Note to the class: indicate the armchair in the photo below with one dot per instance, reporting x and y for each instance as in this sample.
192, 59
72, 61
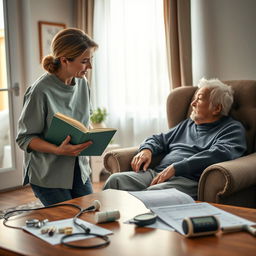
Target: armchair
231, 182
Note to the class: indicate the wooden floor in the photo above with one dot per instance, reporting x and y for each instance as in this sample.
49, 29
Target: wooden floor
25, 195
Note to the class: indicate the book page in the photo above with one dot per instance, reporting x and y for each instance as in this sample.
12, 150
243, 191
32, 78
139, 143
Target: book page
164, 197
101, 129
72, 121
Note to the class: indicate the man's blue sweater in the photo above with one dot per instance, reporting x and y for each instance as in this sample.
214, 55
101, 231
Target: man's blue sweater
190, 148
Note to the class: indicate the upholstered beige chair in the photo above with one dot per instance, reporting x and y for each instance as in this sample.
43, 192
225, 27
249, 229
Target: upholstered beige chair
232, 182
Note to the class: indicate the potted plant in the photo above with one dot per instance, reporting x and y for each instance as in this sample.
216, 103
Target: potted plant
98, 117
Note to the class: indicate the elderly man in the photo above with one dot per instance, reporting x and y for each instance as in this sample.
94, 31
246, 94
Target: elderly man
209, 136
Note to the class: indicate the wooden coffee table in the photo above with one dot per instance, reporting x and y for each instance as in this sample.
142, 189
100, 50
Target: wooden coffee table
127, 240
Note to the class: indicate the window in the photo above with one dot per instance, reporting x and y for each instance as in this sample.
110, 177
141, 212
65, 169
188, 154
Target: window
130, 72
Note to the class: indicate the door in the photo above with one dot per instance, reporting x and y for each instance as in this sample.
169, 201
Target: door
10, 94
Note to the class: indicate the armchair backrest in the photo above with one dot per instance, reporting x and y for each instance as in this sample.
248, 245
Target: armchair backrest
243, 108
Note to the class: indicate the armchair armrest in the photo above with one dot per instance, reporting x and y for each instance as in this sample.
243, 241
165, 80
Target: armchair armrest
227, 178
119, 160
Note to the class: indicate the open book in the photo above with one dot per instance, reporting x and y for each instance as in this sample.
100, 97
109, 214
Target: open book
172, 206
62, 126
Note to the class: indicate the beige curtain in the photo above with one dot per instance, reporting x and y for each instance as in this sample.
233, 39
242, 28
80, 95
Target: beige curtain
84, 20
84, 15
178, 41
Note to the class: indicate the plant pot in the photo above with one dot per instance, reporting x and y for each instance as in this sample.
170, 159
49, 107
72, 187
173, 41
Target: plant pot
98, 125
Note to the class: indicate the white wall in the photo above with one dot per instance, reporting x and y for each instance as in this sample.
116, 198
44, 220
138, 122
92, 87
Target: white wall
223, 39
59, 11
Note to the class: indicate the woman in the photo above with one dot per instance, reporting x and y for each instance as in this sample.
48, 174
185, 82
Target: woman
57, 173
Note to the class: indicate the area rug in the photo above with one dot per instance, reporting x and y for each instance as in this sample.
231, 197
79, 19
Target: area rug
30, 205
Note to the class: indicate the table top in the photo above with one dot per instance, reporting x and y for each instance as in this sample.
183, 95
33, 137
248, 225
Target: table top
127, 239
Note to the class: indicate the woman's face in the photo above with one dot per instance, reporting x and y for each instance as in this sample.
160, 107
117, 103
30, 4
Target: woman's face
79, 66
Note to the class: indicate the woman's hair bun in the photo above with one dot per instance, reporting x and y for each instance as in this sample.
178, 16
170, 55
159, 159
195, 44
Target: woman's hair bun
50, 64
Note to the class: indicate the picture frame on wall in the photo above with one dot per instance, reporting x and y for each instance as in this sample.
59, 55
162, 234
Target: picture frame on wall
47, 30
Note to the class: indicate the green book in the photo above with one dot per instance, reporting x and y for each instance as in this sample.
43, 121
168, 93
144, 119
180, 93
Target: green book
62, 126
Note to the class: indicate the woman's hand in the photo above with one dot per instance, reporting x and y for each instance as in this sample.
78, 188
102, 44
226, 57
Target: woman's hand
67, 149
164, 175
143, 157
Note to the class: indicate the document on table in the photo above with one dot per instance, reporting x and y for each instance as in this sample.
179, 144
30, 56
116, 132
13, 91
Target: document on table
156, 198
172, 206
160, 198
55, 239
174, 214
159, 224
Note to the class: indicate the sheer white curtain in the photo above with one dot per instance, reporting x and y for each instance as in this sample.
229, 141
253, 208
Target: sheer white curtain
130, 75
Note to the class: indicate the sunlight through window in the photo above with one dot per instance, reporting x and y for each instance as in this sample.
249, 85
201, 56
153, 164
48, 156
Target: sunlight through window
131, 77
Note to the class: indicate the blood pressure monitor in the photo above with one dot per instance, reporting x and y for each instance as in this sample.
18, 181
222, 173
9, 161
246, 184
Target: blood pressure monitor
200, 226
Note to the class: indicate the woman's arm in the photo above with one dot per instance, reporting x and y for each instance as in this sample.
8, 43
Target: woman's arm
65, 148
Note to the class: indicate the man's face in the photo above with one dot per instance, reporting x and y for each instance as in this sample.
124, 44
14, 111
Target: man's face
201, 111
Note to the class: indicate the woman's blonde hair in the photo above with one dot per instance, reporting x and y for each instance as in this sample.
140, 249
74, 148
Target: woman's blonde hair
69, 43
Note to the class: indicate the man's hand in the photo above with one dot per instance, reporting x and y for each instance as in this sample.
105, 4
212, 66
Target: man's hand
164, 175
67, 149
143, 157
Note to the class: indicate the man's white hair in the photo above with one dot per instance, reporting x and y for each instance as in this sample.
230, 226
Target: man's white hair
220, 94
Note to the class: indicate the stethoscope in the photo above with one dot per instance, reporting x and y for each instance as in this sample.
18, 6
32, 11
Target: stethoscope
86, 231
